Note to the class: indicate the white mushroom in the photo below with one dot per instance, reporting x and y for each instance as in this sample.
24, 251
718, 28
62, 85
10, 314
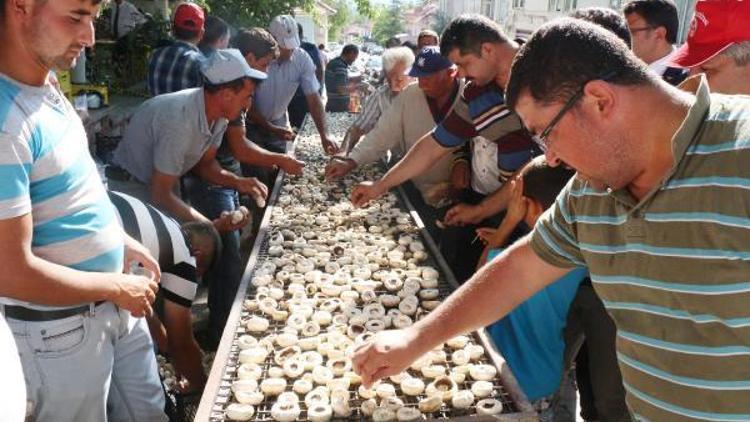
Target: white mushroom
239, 412
489, 407
285, 411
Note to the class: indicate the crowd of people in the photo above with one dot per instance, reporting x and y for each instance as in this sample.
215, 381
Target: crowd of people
585, 186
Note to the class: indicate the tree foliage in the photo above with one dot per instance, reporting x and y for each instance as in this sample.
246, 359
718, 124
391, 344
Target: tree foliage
388, 22
243, 13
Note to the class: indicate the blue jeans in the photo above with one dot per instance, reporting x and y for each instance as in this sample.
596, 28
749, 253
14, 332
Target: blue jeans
223, 278
96, 366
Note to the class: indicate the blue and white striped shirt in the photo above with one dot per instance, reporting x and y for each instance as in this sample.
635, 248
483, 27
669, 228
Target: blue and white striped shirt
46, 170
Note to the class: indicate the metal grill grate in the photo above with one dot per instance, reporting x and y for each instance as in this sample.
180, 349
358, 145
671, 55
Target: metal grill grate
223, 396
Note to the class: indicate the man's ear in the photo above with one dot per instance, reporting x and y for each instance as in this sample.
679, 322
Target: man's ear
600, 98
661, 32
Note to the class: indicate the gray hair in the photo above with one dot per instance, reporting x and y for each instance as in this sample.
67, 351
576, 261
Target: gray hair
739, 52
392, 56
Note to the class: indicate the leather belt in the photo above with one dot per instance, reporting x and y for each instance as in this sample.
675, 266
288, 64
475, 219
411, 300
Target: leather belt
21, 313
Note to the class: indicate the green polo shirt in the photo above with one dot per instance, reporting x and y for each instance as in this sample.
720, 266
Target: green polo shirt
673, 270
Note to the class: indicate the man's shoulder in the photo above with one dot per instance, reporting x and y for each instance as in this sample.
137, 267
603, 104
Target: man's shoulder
473, 91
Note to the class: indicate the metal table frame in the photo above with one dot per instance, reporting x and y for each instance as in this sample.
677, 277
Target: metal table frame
218, 370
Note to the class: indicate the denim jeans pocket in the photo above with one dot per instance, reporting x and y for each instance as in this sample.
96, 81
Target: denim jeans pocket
63, 338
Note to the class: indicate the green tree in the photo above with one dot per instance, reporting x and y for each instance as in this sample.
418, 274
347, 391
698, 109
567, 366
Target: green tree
243, 13
338, 21
440, 22
388, 22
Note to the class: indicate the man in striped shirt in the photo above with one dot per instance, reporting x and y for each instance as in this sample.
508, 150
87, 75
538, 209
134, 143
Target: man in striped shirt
657, 212
483, 55
64, 294
184, 253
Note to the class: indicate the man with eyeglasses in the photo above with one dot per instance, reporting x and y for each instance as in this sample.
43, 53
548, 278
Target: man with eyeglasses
657, 212
653, 27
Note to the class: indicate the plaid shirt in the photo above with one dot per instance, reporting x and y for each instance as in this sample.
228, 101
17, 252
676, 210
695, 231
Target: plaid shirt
174, 68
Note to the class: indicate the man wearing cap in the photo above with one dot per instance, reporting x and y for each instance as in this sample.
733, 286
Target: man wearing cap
483, 53
177, 66
293, 68
337, 79
173, 134
718, 45
413, 113
654, 26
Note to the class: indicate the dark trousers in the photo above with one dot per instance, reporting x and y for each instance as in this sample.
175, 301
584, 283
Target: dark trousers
266, 175
225, 274
297, 110
590, 334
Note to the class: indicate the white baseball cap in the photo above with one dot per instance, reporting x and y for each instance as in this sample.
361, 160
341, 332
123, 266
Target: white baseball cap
284, 29
228, 65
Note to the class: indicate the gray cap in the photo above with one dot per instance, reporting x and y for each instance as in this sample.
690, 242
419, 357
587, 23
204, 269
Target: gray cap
284, 29
228, 65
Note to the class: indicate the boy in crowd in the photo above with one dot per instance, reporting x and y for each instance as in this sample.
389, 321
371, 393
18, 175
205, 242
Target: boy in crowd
540, 338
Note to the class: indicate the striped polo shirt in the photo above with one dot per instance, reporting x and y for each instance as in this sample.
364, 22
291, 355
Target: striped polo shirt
162, 236
46, 170
673, 270
482, 112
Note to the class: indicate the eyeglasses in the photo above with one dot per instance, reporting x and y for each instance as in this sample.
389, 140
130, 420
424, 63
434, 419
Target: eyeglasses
636, 30
541, 139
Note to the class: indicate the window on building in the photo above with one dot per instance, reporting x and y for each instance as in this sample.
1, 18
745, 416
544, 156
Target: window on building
562, 5
519, 4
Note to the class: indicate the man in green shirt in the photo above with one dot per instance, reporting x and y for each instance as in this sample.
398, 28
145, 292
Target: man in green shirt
657, 212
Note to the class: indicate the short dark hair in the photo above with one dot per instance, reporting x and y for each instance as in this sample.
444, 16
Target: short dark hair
206, 230
350, 49
543, 183
657, 13
216, 29
562, 55
469, 32
606, 18
392, 42
235, 85
257, 41
185, 34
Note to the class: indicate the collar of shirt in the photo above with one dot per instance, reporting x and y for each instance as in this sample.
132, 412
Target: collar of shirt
439, 113
201, 111
659, 66
681, 140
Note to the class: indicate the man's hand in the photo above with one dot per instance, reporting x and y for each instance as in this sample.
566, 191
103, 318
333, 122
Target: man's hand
291, 165
232, 220
283, 133
329, 147
518, 203
136, 293
338, 168
461, 175
253, 187
365, 192
463, 214
387, 353
135, 251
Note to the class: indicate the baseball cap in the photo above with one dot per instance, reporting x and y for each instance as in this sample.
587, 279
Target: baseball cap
189, 16
284, 29
716, 25
428, 61
227, 65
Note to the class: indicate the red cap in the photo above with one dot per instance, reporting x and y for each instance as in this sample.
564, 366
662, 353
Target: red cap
716, 25
189, 16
